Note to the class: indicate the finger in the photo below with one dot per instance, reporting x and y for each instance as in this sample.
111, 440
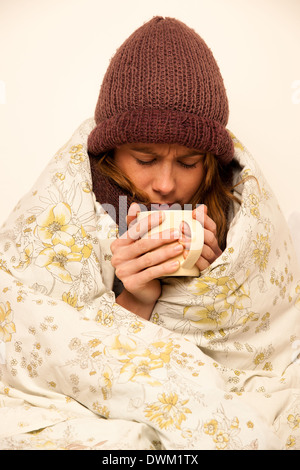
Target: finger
155, 272
202, 264
210, 225
200, 214
210, 240
149, 259
133, 212
209, 254
132, 251
143, 226
136, 230
185, 229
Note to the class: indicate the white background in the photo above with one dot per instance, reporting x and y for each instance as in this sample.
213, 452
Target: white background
54, 53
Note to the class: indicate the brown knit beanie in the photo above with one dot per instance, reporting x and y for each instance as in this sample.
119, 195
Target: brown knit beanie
163, 85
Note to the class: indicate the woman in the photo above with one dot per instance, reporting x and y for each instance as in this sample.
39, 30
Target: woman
216, 366
161, 138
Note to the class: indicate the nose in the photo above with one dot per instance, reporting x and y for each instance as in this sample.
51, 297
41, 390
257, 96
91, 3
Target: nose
164, 182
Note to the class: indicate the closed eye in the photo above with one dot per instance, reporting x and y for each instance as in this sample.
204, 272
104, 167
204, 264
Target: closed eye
145, 162
152, 162
185, 165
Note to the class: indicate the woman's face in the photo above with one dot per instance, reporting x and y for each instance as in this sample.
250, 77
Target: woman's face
168, 173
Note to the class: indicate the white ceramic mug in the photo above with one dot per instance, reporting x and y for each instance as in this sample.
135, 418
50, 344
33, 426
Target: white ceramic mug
173, 219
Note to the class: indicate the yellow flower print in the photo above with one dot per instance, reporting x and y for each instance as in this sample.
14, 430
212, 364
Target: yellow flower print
221, 439
168, 412
54, 227
235, 423
268, 366
255, 211
120, 347
106, 382
141, 369
25, 258
61, 262
3, 266
81, 243
136, 326
211, 427
106, 319
291, 442
222, 289
294, 421
209, 334
254, 199
77, 156
155, 318
30, 219
7, 326
93, 343
235, 296
261, 252
221, 297
71, 300
259, 359
60, 176
160, 350
101, 409
210, 316
86, 187
76, 148
254, 202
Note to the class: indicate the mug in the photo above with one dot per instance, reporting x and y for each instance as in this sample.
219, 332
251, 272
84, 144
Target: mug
173, 219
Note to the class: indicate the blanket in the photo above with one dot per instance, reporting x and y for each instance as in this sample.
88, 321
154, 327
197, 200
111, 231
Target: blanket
216, 368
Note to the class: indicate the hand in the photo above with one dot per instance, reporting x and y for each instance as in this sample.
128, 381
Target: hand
211, 250
140, 262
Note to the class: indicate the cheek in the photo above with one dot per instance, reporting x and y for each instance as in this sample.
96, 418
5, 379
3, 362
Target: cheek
190, 182
131, 170
141, 178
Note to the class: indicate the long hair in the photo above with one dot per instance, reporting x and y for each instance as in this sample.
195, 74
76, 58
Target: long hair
216, 190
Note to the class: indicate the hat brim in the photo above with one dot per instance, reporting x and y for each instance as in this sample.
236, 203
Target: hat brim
162, 126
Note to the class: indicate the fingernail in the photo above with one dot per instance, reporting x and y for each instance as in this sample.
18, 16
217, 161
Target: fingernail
178, 247
174, 264
134, 209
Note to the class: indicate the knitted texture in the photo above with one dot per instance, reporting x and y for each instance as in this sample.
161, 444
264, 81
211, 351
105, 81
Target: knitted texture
163, 85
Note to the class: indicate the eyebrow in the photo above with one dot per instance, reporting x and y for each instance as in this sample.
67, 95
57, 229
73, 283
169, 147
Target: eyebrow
148, 150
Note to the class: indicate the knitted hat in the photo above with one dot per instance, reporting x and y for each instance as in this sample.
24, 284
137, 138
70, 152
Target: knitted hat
163, 85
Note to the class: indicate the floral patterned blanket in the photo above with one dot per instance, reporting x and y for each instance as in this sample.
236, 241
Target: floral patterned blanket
217, 367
